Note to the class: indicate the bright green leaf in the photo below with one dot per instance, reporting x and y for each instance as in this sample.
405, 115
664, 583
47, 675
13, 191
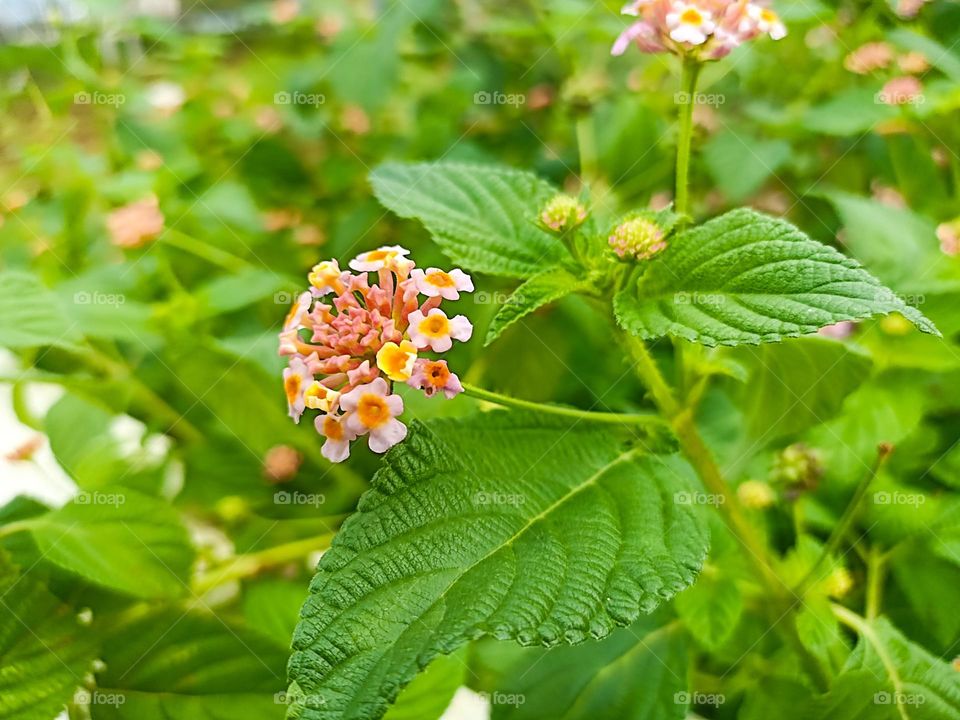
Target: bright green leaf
558, 535
745, 278
483, 217
536, 292
30, 315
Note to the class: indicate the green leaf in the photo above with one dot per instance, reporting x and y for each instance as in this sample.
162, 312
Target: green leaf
79, 434
887, 677
741, 165
120, 539
541, 289
430, 693
794, 386
227, 293
748, 278
192, 666
482, 217
556, 535
272, 607
30, 315
638, 673
711, 609
44, 651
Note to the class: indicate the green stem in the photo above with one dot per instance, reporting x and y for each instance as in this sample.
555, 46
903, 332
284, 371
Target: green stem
249, 564
876, 571
213, 255
846, 520
688, 85
700, 457
587, 144
589, 415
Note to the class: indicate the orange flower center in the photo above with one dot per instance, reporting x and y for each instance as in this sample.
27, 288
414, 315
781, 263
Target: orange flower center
437, 374
440, 279
292, 387
332, 428
376, 255
691, 16
435, 326
372, 410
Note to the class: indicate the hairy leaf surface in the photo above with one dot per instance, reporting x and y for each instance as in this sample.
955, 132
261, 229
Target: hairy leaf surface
482, 217
536, 292
745, 278
505, 524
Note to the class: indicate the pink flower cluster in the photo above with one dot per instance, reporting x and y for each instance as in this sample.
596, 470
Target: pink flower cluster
346, 354
708, 28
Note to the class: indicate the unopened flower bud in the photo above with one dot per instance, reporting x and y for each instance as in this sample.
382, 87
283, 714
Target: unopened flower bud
563, 213
799, 468
638, 238
838, 583
756, 495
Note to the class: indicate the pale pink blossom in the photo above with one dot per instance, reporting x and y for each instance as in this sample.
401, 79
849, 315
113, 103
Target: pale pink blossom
436, 331
295, 380
338, 437
434, 282
433, 376
383, 258
371, 410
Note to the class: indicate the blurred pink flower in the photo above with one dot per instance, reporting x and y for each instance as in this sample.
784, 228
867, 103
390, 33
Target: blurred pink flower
869, 57
903, 90
707, 29
136, 224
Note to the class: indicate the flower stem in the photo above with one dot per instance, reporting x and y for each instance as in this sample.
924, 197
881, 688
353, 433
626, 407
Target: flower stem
249, 564
688, 85
588, 415
876, 570
843, 525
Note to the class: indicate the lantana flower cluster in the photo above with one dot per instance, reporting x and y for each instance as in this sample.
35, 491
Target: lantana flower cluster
348, 343
709, 28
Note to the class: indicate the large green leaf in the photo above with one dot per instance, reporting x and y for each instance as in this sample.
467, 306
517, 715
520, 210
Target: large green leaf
638, 673
44, 651
31, 315
794, 386
482, 217
430, 693
190, 666
511, 525
119, 539
711, 609
887, 677
541, 289
745, 278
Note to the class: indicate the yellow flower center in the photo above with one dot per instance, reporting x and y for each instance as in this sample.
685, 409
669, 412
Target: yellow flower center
377, 255
315, 396
332, 429
292, 387
435, 326
768, 15
691, 16
440, 279
395, 360
372, 410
